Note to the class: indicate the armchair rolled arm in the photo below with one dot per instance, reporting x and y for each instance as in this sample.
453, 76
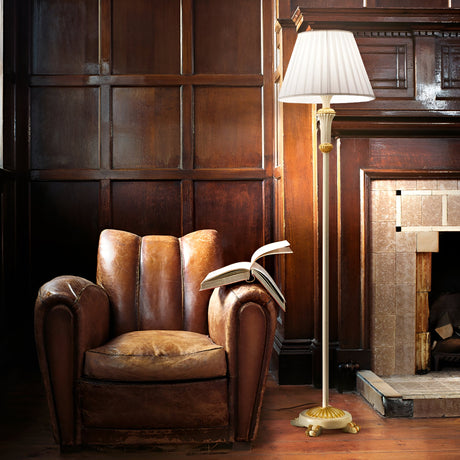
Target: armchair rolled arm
242, 319
71, 316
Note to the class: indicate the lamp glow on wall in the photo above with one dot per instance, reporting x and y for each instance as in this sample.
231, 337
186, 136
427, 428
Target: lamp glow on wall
325, 67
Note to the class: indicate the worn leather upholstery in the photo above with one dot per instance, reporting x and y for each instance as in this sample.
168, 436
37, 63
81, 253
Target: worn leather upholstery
142, 356
155, 356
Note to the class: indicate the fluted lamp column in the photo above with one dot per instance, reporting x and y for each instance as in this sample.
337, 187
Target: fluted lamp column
325, 67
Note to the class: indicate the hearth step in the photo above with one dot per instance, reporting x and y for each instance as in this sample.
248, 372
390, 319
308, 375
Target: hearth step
436, 394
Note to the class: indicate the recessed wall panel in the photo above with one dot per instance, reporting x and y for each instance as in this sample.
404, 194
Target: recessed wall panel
146, 127
147, 207
235, 209
146, 36
65, 37
227, 36
64, 229
389, 62
64, 128
228, 127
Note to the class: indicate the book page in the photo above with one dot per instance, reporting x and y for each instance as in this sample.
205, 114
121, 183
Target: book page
278, 247
268, 282
239, 271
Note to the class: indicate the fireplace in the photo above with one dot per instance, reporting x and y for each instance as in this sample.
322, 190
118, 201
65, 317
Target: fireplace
405, 220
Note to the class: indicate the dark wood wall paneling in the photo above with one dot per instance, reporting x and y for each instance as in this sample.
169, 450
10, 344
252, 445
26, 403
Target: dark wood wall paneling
12, 279
411, 129
151, 117
296, 220
406, 4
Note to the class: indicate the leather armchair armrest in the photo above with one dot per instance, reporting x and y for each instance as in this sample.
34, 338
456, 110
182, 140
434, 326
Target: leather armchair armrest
242, 318
71, 316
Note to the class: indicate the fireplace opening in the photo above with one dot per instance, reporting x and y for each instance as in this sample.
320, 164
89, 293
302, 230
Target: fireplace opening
444, 301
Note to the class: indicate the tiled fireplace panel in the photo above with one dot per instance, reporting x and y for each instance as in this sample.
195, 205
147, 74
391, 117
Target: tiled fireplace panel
405, 218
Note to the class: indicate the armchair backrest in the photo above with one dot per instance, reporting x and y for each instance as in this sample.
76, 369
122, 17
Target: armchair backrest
153, 281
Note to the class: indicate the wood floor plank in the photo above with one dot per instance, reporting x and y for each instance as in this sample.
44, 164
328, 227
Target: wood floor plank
25, 432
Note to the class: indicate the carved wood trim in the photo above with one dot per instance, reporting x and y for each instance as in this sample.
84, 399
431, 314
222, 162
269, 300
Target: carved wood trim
410, 55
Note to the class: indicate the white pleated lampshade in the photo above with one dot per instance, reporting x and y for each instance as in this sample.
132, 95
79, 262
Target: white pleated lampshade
326, 63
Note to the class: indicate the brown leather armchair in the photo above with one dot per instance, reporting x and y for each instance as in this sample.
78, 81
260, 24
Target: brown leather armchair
144, 357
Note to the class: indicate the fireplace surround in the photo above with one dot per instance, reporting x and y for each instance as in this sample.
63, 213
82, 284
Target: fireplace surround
405, 218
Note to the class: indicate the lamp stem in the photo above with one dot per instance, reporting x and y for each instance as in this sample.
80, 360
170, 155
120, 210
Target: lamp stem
325, 282
325, 416
325, 116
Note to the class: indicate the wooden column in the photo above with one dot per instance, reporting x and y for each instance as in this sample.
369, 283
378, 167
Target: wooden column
422, 311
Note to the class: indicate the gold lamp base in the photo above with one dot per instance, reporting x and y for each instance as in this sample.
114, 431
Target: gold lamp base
328, 417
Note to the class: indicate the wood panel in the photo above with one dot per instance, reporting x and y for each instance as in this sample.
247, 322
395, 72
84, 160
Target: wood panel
228, 127
64, 223
234, 208
146, 127
227, 37
296, 220
64, 128
8, 267
389, 62
147, 207
146, 36
352, 321
448, 68
407, 4
68, 45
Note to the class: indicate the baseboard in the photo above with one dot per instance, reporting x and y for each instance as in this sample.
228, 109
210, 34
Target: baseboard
299, 362
292, 361
338, 357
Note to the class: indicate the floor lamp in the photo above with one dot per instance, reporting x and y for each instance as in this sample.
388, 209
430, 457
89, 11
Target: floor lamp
325, 67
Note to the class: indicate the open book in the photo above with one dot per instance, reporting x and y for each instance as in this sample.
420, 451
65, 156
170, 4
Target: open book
248, 271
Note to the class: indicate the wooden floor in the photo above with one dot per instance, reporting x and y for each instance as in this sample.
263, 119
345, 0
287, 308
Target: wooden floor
25, 432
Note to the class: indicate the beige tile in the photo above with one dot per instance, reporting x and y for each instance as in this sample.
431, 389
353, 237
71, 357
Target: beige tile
383, 184
431, 210
447, 184
383, 332
427, 184
427, 242
383, 206
405, 359
406, 184
453, 210
405, 241
405, 331
383, 299
383, 361
383, 237
411, 210
405, 298
405, 268
383, 268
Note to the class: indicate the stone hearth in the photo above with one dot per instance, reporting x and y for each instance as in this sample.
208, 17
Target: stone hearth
436, 394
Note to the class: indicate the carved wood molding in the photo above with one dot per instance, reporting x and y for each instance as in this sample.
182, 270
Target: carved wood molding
411, 57
382, 19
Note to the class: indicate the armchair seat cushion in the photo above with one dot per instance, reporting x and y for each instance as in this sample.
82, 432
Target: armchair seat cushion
160, 355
